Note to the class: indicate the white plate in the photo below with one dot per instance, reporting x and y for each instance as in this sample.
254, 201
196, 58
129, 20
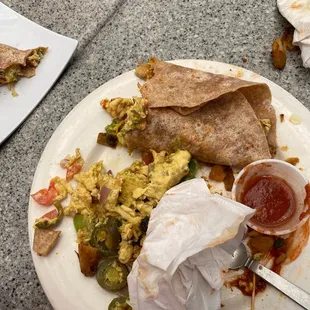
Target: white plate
21, 33
59, 273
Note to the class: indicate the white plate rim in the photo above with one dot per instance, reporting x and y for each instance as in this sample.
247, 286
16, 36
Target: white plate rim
31, 101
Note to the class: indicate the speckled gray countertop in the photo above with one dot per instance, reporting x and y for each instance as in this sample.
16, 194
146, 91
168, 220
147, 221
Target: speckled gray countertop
113, 35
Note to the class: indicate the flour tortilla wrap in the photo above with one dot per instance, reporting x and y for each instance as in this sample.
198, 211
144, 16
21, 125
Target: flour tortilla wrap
226, 131
186, 90
17, 61
215, 117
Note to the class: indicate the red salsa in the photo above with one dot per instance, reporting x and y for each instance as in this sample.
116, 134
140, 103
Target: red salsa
272, 198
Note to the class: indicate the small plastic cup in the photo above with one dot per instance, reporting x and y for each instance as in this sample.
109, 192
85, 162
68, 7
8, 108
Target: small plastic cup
292, 176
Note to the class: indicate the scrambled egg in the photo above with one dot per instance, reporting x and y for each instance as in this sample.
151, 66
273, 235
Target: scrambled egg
85, 198
166, 171
91, 178
129, 196
114, 185
127, 231
80, 202
125, 252
63, 188
135, 111
266, 124
134, 178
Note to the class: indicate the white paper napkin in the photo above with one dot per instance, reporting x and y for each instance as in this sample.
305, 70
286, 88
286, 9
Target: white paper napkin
190, 239
298, 14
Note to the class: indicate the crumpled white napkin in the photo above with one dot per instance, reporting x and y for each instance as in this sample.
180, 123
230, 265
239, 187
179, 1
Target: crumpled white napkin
297, 12
190, 239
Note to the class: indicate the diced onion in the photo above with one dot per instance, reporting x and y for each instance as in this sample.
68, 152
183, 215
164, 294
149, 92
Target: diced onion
104, 193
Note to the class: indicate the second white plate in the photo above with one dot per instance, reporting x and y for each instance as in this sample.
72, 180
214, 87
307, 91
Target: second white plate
21, 33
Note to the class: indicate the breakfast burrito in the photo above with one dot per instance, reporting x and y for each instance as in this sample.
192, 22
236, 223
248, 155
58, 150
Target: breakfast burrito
15, 63
217, 118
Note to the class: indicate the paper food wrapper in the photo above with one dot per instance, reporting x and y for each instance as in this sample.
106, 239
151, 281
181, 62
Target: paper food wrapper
298, 14
190, 240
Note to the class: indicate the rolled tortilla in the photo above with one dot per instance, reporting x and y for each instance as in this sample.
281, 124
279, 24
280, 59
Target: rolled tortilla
226, 131
186, 90
217, 118
15, 63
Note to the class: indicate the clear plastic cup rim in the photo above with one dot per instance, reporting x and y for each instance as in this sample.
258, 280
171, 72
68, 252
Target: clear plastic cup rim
289, 173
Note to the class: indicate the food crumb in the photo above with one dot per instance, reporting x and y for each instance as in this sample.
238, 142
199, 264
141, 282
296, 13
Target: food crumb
281, 118
239, 74
244, 59
278, 54
292, 160
205, 178
295, 5
295, 119
170, 223
217, 173
284, 148
229, 179
287, 39
301, 168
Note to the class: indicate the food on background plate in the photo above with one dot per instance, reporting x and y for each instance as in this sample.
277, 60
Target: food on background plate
15, 63
218, 119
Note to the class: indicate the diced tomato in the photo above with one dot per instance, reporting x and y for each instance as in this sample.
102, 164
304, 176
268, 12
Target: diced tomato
45, 197
147, 157
73, 169
50, 215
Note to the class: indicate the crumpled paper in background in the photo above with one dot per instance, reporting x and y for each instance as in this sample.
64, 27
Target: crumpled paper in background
190, 239
297, 12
